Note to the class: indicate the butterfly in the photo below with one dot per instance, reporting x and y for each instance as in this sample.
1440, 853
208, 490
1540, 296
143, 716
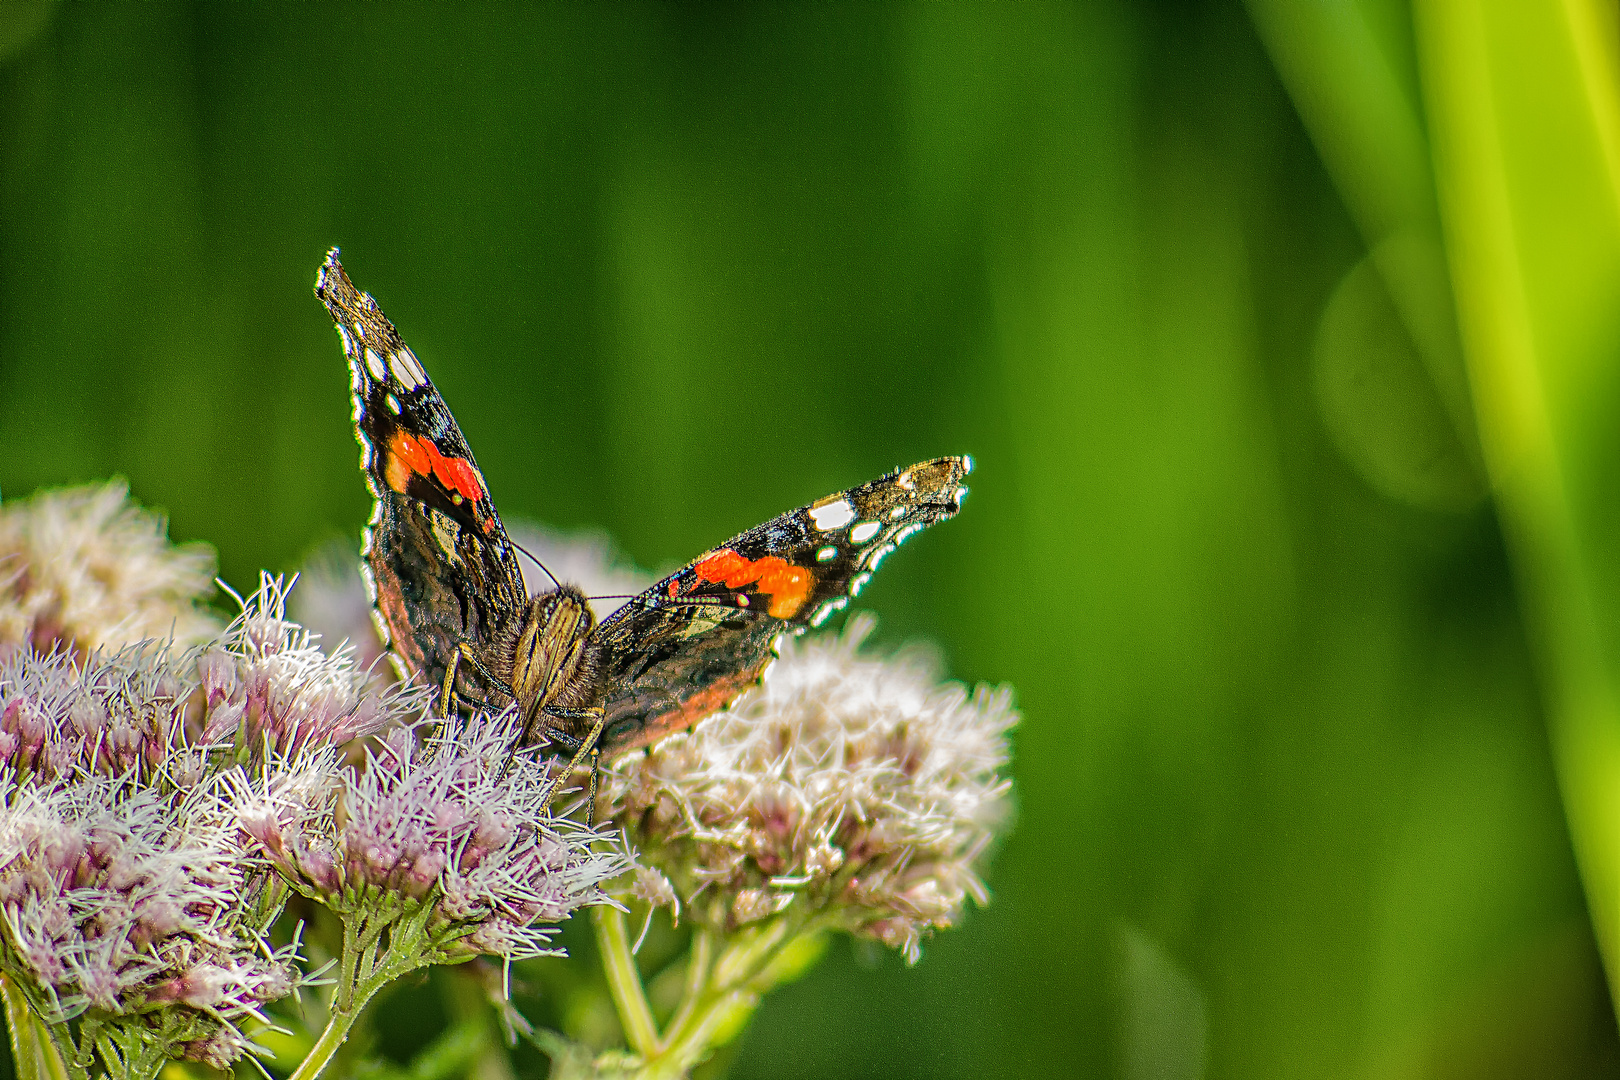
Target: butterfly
452, 606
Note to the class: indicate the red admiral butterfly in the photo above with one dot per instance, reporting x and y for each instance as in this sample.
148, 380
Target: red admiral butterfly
451, 602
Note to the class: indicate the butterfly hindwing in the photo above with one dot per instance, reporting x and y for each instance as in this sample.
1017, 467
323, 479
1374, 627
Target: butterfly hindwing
697, 639
439, 562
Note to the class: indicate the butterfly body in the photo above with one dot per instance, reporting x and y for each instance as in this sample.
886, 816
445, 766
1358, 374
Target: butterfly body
450, 601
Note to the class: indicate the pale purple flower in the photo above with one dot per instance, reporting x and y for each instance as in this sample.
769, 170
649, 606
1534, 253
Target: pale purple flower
120, 898
453, 820
268, 684
113, 714
128, 888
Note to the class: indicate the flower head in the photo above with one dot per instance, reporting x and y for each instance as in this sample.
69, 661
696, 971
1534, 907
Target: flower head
453, 821
128, 887
85, 568
268, 684
118, 897
856, 788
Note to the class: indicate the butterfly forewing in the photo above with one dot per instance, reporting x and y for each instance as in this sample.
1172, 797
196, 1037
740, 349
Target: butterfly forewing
697, 639
441, 568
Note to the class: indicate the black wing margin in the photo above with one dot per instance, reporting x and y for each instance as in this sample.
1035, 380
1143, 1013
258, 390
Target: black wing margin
700, 637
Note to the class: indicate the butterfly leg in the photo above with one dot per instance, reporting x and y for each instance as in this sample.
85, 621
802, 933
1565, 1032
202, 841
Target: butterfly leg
586, 748
447, 691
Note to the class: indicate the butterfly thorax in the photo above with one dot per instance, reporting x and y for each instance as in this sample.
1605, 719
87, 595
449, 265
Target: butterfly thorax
552, 667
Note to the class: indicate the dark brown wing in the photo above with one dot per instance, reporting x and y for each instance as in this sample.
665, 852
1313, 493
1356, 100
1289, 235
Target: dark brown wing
438, 561
700, 637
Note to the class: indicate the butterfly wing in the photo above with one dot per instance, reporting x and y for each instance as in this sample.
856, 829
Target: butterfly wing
439, 565
703, 635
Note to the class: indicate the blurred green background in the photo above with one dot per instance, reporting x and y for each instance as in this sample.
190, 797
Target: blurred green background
1285, 337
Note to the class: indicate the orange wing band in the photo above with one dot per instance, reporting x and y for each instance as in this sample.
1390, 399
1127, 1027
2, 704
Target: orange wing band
787, 585
416, 455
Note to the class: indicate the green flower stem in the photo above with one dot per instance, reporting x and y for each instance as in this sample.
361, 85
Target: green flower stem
362, 975
33, 1051
332, 1037
690, 1043
625, 982
699, 958
726, 977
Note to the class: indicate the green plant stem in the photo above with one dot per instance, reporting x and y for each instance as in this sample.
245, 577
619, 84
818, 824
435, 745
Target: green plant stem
698, 961
362, 976
33, 1052
725, 981
688, 1044
332, 1037
625, 982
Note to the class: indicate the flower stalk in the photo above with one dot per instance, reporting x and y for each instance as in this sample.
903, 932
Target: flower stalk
726, 978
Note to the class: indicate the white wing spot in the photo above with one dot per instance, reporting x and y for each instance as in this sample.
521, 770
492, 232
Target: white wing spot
898, 512
827, 554
835, 515
905, 532
904, 480
393, 404
863, 532
858, 583
408, 358
374, 362
402, 372
360, 331
348, 342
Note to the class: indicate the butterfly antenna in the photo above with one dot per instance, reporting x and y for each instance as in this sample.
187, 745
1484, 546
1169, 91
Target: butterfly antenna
659, 600
534, 559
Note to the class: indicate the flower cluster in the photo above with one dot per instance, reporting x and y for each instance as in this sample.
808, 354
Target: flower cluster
85, 568
115, 714
453, 821
849, 788
156, 804
118, 899
124, 886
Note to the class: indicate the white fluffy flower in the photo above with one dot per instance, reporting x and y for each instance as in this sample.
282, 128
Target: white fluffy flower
858, 788
86, 568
